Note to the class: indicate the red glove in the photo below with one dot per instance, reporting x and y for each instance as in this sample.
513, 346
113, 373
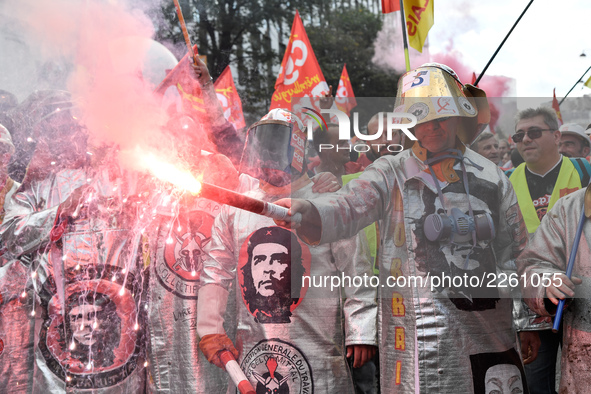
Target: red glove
212, 344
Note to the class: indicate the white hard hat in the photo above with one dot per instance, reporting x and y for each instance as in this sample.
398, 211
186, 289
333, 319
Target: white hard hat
575, 129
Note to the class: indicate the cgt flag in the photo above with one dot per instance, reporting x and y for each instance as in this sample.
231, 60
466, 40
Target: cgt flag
390, 6
556, 107
300, 74
225, 90
180, 77
419, 19
345, 98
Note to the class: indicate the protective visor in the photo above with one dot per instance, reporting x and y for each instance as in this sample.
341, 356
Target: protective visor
272, 148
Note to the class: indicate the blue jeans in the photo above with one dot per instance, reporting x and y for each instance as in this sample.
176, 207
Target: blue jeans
541, 373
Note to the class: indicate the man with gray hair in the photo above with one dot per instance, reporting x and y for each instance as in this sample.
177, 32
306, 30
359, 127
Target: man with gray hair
487, 145
539, 182
574, 142
504, 148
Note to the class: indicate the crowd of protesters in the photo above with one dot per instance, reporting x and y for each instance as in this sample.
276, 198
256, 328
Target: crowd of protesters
111, 281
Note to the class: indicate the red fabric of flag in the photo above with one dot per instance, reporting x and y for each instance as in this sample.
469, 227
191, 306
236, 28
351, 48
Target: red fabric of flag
556, 107
300, 74
345, 98
390, 6
225, 90
181, 77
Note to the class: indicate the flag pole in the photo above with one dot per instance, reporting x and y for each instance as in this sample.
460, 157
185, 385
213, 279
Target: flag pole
571, 89
184, 29
404, 38
502, 43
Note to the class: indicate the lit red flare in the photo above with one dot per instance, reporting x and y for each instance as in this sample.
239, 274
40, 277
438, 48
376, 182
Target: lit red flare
169, 173
187, 181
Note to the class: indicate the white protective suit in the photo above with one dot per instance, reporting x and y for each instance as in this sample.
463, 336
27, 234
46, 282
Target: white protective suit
288, 342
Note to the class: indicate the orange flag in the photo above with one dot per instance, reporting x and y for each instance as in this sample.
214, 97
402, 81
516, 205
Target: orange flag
390, 6
557, 109
300, 74
188, 88
225, 89
345, 98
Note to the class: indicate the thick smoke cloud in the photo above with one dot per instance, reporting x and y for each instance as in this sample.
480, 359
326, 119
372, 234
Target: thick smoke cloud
97, 50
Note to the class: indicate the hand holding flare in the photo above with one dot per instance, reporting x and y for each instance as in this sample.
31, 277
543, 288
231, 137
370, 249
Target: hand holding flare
186, 181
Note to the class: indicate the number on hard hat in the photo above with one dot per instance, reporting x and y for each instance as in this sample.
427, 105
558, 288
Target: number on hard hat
434, 91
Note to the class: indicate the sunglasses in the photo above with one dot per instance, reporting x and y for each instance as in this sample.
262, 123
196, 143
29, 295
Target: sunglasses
533, 133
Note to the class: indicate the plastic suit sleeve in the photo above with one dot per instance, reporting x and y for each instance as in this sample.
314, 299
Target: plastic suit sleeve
211, 305
358, 204
219, 270
27, 228
219, 267
548, 251
360, 308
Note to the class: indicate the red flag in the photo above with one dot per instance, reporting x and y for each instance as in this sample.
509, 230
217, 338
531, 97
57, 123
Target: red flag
345, 98
473, 78
390, 6
225, 89
188, 88
300, 74
556, 107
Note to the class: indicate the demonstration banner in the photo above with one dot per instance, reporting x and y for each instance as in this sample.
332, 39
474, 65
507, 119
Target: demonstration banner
300, 74
181, 77
228, 97
345, 98
419, 19
556, 107
390, 6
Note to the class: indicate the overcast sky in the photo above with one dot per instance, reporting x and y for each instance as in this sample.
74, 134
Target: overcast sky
542, 53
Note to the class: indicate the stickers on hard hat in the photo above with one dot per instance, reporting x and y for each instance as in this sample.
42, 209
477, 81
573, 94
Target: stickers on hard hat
416, 79
444, 106
467, 106
298, 142
399, 109
420, 110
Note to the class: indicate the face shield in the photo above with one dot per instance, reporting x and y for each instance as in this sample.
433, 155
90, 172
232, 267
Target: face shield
274, 152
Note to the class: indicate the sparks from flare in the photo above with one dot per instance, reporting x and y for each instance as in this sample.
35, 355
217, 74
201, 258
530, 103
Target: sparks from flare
168, 172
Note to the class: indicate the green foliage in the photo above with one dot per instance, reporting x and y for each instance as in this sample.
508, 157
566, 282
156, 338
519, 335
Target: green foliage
251, 35
346, 37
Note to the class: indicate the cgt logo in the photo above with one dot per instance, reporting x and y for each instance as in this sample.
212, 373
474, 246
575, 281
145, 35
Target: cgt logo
292, 72
392, 123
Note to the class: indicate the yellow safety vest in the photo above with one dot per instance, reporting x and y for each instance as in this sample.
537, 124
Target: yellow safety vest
568, 181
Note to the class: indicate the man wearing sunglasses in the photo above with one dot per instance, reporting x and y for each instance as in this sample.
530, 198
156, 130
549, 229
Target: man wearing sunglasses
539, 182
545, 176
